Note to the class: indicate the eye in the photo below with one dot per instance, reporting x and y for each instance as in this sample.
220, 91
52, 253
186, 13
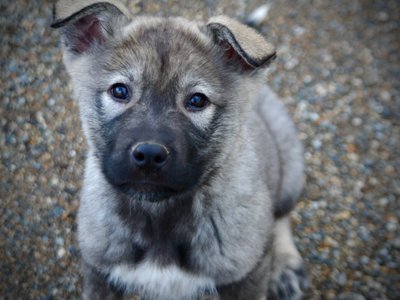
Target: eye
197, 102
119, 92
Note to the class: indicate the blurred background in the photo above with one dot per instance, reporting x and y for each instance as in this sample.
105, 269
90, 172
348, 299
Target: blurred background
338, 72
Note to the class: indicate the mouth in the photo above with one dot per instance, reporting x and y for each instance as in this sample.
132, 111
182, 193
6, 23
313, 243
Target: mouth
149, 191
148, 186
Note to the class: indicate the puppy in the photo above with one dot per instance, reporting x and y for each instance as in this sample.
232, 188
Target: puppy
193, 163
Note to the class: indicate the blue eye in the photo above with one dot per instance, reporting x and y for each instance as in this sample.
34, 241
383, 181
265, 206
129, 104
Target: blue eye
119, 92
197, 102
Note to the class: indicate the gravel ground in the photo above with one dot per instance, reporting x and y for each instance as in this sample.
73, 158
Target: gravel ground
338, 70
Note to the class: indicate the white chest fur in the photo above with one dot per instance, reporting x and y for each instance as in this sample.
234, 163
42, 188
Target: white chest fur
169, 282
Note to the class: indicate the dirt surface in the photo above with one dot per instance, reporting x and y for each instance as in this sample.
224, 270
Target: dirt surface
338, 71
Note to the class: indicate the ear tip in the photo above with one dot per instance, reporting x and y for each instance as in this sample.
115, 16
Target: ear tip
270, 58
67, 10
251, 46
261, 62
56, 24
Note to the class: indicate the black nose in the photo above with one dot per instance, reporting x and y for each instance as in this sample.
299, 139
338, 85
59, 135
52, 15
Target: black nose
150, 155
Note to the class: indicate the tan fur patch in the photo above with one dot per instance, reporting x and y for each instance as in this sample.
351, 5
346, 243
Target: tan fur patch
66, 8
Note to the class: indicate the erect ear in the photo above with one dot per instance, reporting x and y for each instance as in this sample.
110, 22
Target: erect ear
86, 23
241, 44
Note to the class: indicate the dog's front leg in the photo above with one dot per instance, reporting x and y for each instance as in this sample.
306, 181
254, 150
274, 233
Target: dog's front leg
96, 287
288, 279
253, 286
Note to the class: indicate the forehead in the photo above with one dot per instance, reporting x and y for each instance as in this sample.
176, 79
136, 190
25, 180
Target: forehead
162, 49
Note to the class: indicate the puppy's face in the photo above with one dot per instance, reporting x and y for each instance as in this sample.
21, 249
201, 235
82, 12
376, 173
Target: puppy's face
160, 98
166, 107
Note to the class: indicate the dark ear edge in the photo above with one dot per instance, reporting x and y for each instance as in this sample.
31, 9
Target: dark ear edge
91, 9
222, 33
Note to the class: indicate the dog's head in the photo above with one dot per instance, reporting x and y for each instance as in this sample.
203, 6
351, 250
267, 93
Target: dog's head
161, 99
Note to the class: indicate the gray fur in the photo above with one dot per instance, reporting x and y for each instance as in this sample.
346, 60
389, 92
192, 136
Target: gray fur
222, 232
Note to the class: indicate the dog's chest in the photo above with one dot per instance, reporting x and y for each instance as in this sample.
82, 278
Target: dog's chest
156, 282
161, 258
165, 239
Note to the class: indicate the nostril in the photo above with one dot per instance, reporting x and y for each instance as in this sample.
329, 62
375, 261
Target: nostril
139, 156
159, 159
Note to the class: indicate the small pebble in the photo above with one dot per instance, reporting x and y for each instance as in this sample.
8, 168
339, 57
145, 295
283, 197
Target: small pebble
364, 260
61, 253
